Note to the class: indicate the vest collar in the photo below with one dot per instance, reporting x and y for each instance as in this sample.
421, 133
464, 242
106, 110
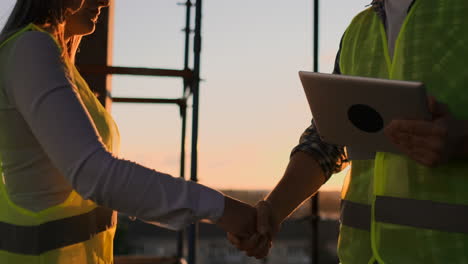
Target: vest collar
379, 7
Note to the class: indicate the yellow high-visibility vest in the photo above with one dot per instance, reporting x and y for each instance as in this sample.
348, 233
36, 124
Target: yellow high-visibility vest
76, 231
394, 209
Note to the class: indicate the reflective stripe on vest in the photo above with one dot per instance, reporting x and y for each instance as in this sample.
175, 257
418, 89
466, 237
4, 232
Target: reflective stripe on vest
356, 215
422, 214
35, 240
407, 212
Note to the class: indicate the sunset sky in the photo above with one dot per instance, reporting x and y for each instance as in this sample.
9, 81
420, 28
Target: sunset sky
252, 106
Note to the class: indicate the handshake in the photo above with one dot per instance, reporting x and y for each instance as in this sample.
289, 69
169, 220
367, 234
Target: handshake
250, 229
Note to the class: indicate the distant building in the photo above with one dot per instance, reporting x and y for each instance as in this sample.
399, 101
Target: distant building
292, 244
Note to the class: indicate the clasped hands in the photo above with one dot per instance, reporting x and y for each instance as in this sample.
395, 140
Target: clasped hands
250, 229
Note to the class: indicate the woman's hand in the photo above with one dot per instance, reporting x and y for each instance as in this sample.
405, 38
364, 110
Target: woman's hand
433, 142
238, 217
259, 244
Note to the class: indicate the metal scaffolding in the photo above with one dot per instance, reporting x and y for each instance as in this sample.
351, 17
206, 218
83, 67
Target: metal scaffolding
315, 214
191, 90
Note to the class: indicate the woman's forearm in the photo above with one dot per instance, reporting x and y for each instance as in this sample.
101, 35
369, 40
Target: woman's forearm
68, 136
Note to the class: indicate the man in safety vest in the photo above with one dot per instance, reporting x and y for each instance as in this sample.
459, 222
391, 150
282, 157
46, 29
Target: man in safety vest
409, 208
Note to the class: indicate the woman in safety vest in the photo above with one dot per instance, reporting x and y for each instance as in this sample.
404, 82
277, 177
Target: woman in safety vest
408, 208
61, 177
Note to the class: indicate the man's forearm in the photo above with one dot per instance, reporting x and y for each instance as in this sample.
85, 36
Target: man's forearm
303, 177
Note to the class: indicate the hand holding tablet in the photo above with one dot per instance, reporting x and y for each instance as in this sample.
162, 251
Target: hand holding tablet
353, 111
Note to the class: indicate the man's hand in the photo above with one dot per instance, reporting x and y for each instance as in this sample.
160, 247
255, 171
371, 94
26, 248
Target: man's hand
433, 142
238, 218
303, 175
260, 243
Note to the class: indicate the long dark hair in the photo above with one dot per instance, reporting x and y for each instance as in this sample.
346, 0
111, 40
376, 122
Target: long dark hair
39, 12
47, 14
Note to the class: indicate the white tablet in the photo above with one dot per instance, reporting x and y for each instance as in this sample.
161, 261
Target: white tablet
353, 111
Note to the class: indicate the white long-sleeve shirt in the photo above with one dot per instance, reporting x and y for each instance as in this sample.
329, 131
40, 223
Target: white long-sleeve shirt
49, 146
